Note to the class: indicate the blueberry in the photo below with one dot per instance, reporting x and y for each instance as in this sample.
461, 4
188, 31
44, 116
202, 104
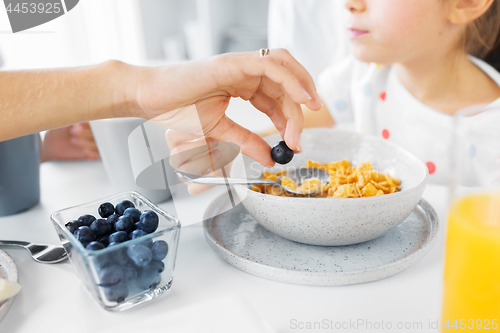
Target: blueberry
95, 246
157, 266
281, 153
147, 279
122, 206
102, 260
134, 213
148, 221
86, 220
106, 209
110, 276
140, 233
117, 293
116, 257
104, 240
84, 234
100, 227
124, 223
129, 274
140, 254
136, 234
118, 237
72, 226
85, 244
113, 244
113, 218
160, 250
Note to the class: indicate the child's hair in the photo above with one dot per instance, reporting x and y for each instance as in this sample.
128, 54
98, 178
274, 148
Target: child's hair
482, 36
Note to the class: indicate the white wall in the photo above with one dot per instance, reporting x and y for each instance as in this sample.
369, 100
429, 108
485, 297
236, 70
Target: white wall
97, 30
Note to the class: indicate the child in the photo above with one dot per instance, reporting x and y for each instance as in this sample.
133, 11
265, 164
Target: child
414, 66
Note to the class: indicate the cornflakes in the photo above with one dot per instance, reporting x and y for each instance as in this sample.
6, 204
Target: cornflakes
346, 181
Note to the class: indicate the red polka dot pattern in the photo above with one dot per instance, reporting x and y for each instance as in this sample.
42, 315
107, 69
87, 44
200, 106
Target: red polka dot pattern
432, 167
382, 95
385, 134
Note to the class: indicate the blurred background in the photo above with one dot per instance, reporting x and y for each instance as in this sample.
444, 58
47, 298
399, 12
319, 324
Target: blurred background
143, 32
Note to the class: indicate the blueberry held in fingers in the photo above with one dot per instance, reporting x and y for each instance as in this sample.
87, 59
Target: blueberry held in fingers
281, 153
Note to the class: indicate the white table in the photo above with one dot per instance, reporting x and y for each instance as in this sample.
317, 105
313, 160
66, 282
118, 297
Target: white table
54, 300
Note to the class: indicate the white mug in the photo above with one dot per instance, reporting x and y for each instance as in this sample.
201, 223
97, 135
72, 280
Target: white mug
119, 150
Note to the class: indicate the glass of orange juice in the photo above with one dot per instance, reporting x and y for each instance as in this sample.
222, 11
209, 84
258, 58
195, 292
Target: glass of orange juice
471, 299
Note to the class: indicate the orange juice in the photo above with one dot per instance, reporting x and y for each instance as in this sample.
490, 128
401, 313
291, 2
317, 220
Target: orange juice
472, 264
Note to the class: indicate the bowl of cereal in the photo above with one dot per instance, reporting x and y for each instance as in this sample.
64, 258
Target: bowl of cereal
374, 185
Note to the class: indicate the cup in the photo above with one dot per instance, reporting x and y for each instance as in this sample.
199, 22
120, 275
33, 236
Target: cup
471, 298
119, 150
102, 272
19, 174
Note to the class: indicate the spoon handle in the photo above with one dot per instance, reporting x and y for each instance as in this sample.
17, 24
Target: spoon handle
210, 180
14, 243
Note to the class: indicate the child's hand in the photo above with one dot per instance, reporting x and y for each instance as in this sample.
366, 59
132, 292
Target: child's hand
71, 143
199, 155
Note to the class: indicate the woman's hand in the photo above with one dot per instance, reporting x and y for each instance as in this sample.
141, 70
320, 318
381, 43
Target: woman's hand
200, 155
193, 97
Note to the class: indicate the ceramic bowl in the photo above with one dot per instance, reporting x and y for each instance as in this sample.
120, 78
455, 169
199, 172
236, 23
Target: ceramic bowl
336, 221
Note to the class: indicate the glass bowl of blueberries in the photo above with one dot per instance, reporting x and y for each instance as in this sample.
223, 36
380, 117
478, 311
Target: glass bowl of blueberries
123, 248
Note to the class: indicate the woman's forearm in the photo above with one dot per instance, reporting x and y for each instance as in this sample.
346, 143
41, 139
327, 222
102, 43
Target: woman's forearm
32, 101
198, 92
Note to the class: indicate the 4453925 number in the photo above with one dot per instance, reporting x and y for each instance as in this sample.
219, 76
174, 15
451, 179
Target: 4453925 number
27, 7
462, 324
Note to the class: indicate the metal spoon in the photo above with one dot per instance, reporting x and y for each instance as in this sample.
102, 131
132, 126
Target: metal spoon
297, 175
45, 254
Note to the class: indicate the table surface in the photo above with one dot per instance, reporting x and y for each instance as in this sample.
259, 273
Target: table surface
54, 300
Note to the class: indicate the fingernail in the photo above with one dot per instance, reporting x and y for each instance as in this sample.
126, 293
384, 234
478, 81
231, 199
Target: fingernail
213, 144
306, 93
299, 145
208, 171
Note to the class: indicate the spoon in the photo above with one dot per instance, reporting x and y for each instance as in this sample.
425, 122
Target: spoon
45, 254
297, 175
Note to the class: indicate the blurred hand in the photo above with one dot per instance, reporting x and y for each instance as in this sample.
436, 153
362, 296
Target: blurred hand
71, 143
193, 97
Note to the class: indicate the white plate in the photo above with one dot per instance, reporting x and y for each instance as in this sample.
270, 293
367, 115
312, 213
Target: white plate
8, 271
242, 242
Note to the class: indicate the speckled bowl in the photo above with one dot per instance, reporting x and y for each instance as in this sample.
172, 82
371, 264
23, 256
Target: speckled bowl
336, 221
